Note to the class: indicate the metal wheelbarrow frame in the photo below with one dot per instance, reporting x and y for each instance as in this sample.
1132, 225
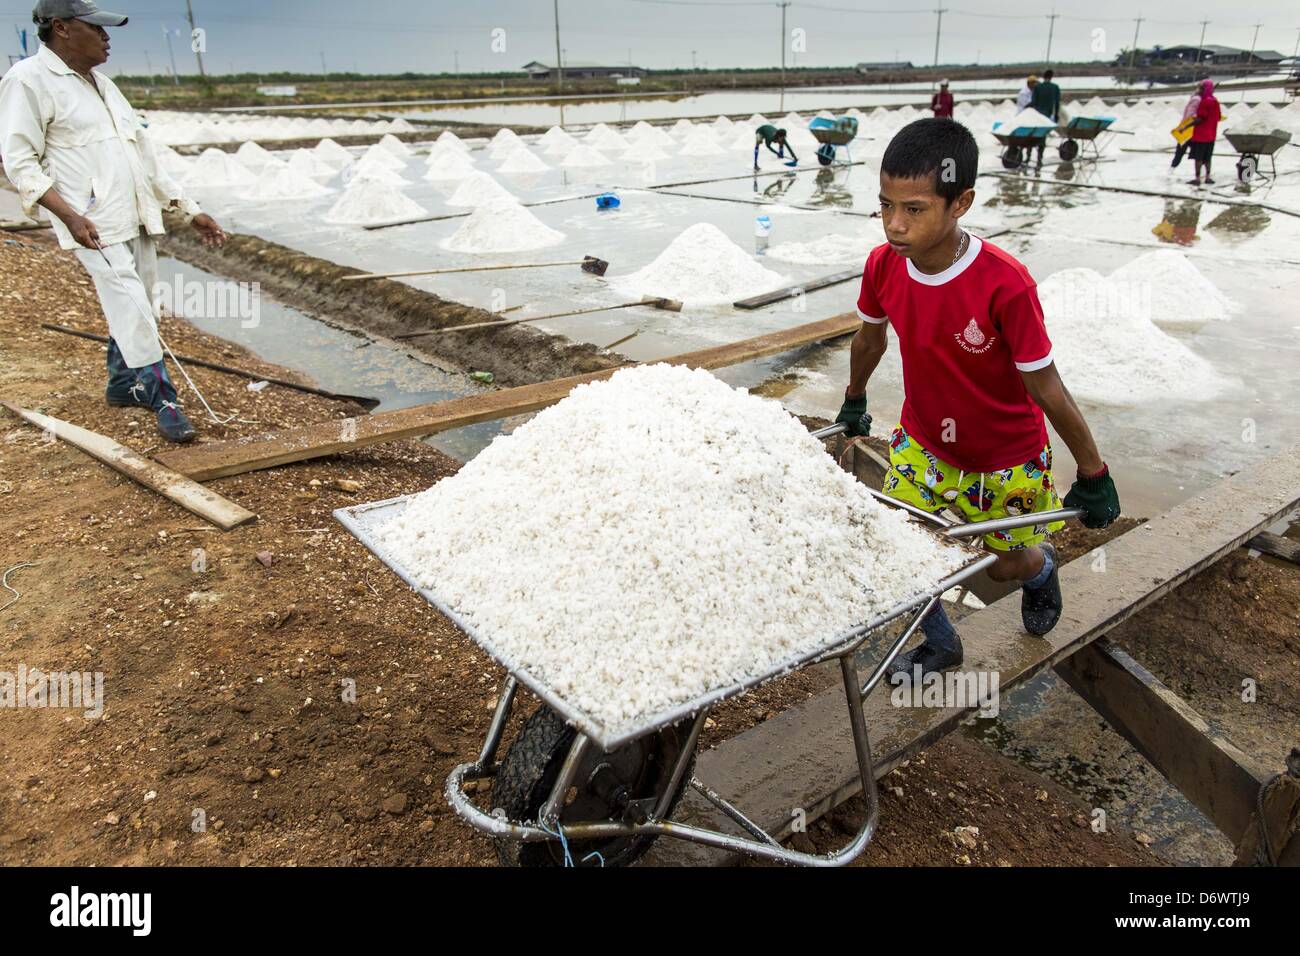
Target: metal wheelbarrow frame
835, 133
1251, 146
1020, 138
362, 521
1088, 130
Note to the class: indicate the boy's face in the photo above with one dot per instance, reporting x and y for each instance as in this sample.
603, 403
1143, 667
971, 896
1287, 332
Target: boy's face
916, 218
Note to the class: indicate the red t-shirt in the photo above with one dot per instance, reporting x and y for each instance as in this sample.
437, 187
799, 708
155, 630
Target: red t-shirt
941, 103
1208, 113
965, 334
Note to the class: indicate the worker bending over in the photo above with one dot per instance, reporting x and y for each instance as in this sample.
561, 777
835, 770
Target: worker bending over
768, 134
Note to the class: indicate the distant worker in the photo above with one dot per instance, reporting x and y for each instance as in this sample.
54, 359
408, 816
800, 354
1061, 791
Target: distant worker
1204, 132
1047, 97
1026, 94
941, 102
768, 134
1187, 123
71, 143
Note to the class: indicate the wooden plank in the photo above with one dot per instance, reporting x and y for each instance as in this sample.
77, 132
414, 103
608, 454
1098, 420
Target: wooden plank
812, 285
804, 757
205, 503
219, 459
1213, 773
1274, 544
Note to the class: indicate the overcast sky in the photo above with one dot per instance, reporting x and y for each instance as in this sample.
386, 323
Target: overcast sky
389, 36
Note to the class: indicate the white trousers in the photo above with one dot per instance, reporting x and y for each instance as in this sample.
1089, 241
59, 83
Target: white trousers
125, 297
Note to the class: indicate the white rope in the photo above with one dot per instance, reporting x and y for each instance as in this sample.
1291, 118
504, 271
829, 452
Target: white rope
148, 314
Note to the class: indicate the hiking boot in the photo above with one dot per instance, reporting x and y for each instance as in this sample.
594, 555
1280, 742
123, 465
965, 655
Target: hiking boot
1040, 607
930, 658
173, 425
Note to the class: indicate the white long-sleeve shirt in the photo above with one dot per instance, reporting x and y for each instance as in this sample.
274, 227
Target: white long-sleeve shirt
57, 130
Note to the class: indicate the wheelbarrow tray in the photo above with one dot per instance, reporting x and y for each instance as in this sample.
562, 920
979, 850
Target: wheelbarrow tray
1085, 127
363, 521
1023, 135
1259, 144
838, 132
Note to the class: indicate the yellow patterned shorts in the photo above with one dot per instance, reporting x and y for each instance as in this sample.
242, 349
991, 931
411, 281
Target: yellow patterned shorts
919, 478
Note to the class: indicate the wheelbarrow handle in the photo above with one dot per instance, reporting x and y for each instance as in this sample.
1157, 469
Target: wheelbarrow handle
973, 528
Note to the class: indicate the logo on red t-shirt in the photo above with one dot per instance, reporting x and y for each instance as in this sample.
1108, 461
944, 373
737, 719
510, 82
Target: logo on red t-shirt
975, 341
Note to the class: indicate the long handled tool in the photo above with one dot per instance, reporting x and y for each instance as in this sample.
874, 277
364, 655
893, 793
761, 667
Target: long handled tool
589, 264
668, 305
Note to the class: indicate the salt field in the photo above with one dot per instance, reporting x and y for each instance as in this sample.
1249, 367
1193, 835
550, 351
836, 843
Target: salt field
1216, 351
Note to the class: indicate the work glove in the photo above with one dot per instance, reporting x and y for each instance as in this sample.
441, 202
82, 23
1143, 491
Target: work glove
853, 413
1097, 497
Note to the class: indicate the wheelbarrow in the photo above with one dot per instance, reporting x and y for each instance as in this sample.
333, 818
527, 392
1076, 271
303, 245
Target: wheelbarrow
1252, 146
571, 792
1018, 142
1087, 130
833, 134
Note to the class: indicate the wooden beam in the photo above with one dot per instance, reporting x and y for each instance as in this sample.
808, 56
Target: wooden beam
1274, 544
804, 758
812, 285
1218, 778
219, 459
205, 503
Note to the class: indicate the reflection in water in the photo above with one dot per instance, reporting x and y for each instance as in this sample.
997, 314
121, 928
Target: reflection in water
777, 187
1064, 171
1178, 226
832, 188
1240, 222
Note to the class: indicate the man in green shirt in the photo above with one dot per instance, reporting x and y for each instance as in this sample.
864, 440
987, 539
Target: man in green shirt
1047, 100
767, 135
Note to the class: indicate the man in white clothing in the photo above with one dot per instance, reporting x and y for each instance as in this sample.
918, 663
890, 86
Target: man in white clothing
1026, 94
70, 142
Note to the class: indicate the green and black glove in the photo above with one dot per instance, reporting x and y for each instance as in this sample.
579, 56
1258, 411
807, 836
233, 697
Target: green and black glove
1097, 496
853, 413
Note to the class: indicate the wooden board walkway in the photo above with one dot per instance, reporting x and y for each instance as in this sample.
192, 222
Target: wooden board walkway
204, 502
804, 756
219, 459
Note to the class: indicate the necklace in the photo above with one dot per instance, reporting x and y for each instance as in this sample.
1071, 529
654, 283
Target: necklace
961, 247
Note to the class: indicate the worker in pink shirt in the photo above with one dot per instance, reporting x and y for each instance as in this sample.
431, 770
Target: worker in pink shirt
941, 102
1204, 132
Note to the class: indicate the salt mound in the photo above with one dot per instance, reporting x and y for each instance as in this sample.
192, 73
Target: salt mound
374, 169
1110, 352
648, 153
700, 142
602, 137
682, 127
333, 153
400, 125
451, 139
501, 225
1026, 117
1173, 290
556, 142
277, 181
379, 156
731, 550
835, 248
477, 189
448, 163
308, 163
253, 155
394, 146
583, 155
701, 267
521, 161
215, 167
367, 202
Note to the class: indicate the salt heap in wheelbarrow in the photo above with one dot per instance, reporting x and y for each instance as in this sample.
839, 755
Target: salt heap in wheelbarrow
658, 536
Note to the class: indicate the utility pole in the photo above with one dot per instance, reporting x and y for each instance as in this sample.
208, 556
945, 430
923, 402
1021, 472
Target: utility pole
1250, 58
1137, 25
323, 70
938, 27
1200, 47
1051, 29
149, 63
559, 58
172, 54
189, 10
456, 59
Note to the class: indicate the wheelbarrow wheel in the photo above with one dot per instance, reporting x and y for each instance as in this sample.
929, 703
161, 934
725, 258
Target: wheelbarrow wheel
605, 785
1068, 150
1011, 157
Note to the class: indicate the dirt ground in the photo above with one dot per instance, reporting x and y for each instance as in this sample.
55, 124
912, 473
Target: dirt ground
225, 740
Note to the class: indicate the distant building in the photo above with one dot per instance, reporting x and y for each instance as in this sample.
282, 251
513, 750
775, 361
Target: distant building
579, 70
1210, 53
884, 66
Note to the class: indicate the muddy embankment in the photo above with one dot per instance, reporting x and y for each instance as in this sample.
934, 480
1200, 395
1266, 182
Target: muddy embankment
516, 355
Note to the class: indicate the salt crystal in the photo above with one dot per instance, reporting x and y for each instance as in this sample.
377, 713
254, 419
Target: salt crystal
701, 267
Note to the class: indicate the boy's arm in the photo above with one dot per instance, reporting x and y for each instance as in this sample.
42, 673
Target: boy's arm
865, 353
1093, 490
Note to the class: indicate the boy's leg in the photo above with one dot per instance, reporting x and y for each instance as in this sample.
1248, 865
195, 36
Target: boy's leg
920, 479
